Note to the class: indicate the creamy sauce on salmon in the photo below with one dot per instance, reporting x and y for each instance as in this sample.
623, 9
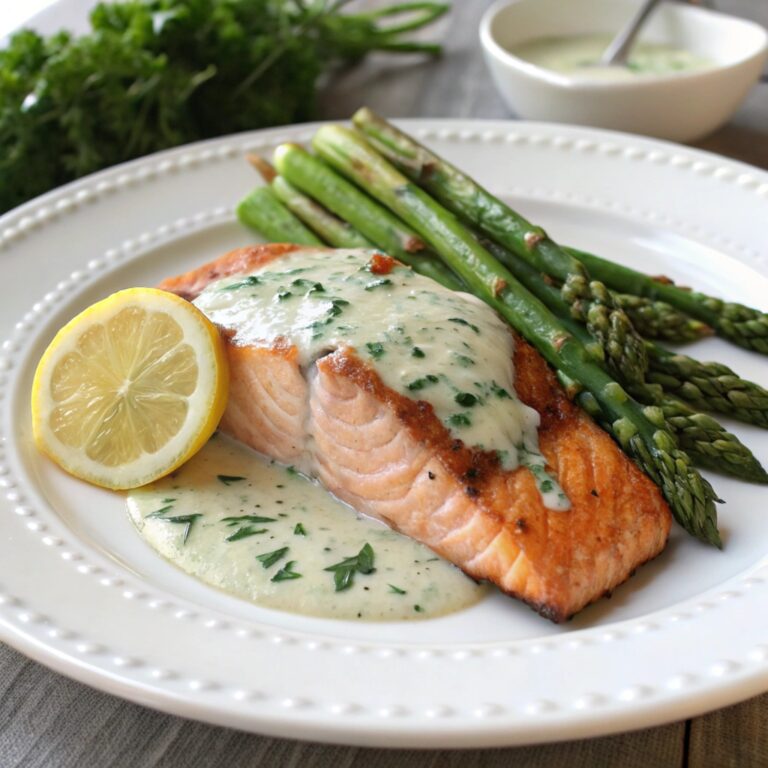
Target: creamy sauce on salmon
423, 340
263, 532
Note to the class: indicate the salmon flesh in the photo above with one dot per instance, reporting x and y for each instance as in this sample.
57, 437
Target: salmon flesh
389, 456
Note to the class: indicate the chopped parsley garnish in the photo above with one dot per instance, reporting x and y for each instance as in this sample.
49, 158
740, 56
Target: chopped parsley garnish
299, 530
500, 392
396, 590
336, 304
286, 573
416, 352
377, 284
245, 532
160, 512
464, 361
375, 349
466, 399
425, 381
248, 281
301, 282
283, 294
240, 519
186, 520
268, 559
462, 321
229, 479
460, 420
418, 609
344, 572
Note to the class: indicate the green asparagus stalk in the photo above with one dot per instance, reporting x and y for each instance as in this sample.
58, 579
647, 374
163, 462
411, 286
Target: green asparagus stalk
741, 325
262, 211
331, 229
590, 301
708, 386
659, 320
373, 221
708, 443
640, 432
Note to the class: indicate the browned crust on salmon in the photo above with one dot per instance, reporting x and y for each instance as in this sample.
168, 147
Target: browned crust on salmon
237, 262
556, 562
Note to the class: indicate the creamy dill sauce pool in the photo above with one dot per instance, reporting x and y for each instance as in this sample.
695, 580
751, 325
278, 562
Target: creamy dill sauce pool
579, 56
262, 532
424, 341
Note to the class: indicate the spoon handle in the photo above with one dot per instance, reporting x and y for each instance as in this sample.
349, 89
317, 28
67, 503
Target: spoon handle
618, 50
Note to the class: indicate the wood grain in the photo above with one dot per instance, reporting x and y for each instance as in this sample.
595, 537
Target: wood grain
48, 721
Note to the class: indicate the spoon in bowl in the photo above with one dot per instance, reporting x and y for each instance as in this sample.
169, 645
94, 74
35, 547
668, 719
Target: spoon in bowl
615, 55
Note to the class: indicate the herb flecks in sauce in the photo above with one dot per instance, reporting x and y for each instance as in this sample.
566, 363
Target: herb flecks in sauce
333, 530
415, 333
229, 479
186, 520
286, 573
375, 349
245, 532
231, 521
268, 559
344, 572
248, 281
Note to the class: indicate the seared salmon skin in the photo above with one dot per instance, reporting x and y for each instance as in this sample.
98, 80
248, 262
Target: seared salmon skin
388, 454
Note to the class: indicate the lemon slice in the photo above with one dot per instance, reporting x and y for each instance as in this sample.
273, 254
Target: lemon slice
130, 389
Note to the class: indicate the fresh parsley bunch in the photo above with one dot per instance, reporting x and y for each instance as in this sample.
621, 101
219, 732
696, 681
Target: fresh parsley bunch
152, 74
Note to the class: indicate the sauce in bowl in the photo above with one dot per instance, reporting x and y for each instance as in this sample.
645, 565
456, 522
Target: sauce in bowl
578, 57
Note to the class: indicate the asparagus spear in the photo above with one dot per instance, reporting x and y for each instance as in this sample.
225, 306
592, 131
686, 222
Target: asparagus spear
590, 301
659, 320
742, 325
262, 211
703, 438
373, 221
321, 221
706, 441
708, 386
640, 432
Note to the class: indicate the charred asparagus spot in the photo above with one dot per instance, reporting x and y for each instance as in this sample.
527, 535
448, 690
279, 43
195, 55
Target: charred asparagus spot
589, 300
640, 431
741, 325
265, 169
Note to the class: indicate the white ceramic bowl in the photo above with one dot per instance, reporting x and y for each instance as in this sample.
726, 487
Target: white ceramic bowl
681, 107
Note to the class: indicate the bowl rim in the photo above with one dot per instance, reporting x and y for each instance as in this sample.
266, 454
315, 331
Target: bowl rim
493, 48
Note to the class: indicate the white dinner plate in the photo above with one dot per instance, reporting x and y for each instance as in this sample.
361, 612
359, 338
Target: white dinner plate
82, 593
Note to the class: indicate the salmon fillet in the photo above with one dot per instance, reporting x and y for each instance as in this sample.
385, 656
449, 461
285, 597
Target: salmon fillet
390, 457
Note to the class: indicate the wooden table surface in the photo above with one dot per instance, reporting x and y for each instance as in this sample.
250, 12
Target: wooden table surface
49, 720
